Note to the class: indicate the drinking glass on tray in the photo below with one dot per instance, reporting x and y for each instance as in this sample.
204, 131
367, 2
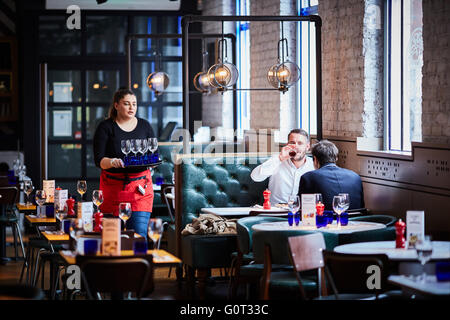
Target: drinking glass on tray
424, 249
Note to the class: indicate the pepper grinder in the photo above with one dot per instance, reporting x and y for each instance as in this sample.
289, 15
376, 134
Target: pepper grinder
400, 241
266, 195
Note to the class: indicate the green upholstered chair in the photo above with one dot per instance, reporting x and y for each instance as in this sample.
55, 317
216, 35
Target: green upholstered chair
243, 268
379, 218
271, 248
208, 180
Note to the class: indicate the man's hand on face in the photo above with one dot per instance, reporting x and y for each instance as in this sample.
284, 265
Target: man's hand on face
284, 154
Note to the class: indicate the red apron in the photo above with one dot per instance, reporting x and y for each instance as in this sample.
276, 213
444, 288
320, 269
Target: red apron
124, 187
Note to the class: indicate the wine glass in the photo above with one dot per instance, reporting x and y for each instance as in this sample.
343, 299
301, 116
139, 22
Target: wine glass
294, 206
81, 187
424, 249
143, 150
125, 146
124, 212
338, 206
134, 147
28, 188
152, 144
155, 229
75, 230
40, 197
60, 215
97, 198
346, 201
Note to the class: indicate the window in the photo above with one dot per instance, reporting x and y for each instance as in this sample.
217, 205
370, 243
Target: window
243, 65
306, 54
84, 70
403, 73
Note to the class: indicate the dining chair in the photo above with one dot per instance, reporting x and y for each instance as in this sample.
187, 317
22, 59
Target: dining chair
8, 199
348, 275
118, 274
14, 291
305, 253
243, 268
378, 218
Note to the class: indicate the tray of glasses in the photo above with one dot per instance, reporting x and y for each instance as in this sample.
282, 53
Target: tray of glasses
144, 166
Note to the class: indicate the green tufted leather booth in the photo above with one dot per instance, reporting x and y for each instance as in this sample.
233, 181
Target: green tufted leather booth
211, 180
168, 152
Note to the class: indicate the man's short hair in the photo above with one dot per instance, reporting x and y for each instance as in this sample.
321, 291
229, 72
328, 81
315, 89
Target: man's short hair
325, 152
299, 131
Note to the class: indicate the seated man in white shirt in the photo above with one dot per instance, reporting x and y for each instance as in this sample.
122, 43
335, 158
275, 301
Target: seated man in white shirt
284, 170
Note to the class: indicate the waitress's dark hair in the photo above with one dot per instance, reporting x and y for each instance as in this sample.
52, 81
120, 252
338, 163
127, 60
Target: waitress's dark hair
118, 95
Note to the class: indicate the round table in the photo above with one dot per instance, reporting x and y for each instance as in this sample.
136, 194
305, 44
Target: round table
353, 226
441, 250
276, 235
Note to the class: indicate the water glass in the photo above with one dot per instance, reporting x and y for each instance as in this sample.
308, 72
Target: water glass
290, 218
140, 247
424, 249
90, 247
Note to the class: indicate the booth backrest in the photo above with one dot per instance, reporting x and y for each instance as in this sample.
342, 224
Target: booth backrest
215, 180
168, 151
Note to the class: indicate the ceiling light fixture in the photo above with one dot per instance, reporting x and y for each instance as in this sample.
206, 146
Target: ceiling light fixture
201, 81
158, 81
284, 73
222, 74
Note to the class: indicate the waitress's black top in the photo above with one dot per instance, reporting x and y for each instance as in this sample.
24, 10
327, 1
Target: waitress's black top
107, 139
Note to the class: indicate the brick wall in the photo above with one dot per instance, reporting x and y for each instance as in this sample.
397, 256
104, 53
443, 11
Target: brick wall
342, 67
436, 71
217, 109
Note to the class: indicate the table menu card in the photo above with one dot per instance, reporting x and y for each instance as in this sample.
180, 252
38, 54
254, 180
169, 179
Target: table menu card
415, 227
85, 211
60, 199
111, 237
49, 187
309, 209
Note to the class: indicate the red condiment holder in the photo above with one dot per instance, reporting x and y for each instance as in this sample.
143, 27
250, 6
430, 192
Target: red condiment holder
266, 195
70, 207
400, 241
320, 208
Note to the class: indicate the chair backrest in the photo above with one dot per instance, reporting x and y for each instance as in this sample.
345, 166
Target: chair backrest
350, 273
117, 274
379, 218
244, 231
8, 195
306, 251
168, 195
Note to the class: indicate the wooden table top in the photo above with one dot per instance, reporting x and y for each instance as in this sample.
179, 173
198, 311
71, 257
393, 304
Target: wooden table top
24, 207
56, 237
162, 257
35, 220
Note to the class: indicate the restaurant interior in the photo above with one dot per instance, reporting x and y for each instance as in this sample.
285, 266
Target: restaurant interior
261, 119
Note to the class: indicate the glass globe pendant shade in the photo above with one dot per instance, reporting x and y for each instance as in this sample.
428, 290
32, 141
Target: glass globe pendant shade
283, 75
223, 75
201, 82
158, 82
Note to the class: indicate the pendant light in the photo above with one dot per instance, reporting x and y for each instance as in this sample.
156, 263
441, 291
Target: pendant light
222, 74
158, 81
201, 82
284, 73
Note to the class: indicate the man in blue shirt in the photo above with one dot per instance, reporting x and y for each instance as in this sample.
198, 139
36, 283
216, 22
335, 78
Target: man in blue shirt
329, 179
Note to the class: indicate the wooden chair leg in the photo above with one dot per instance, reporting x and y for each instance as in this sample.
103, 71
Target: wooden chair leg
202, 275
265, 279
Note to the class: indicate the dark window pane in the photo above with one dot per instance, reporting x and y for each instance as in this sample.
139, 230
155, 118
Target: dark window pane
157, 25
64, 123
101, 85
150, 114
55, 39
92, 170
94, 115
174, 114
64, 160
106, 35
64, 86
